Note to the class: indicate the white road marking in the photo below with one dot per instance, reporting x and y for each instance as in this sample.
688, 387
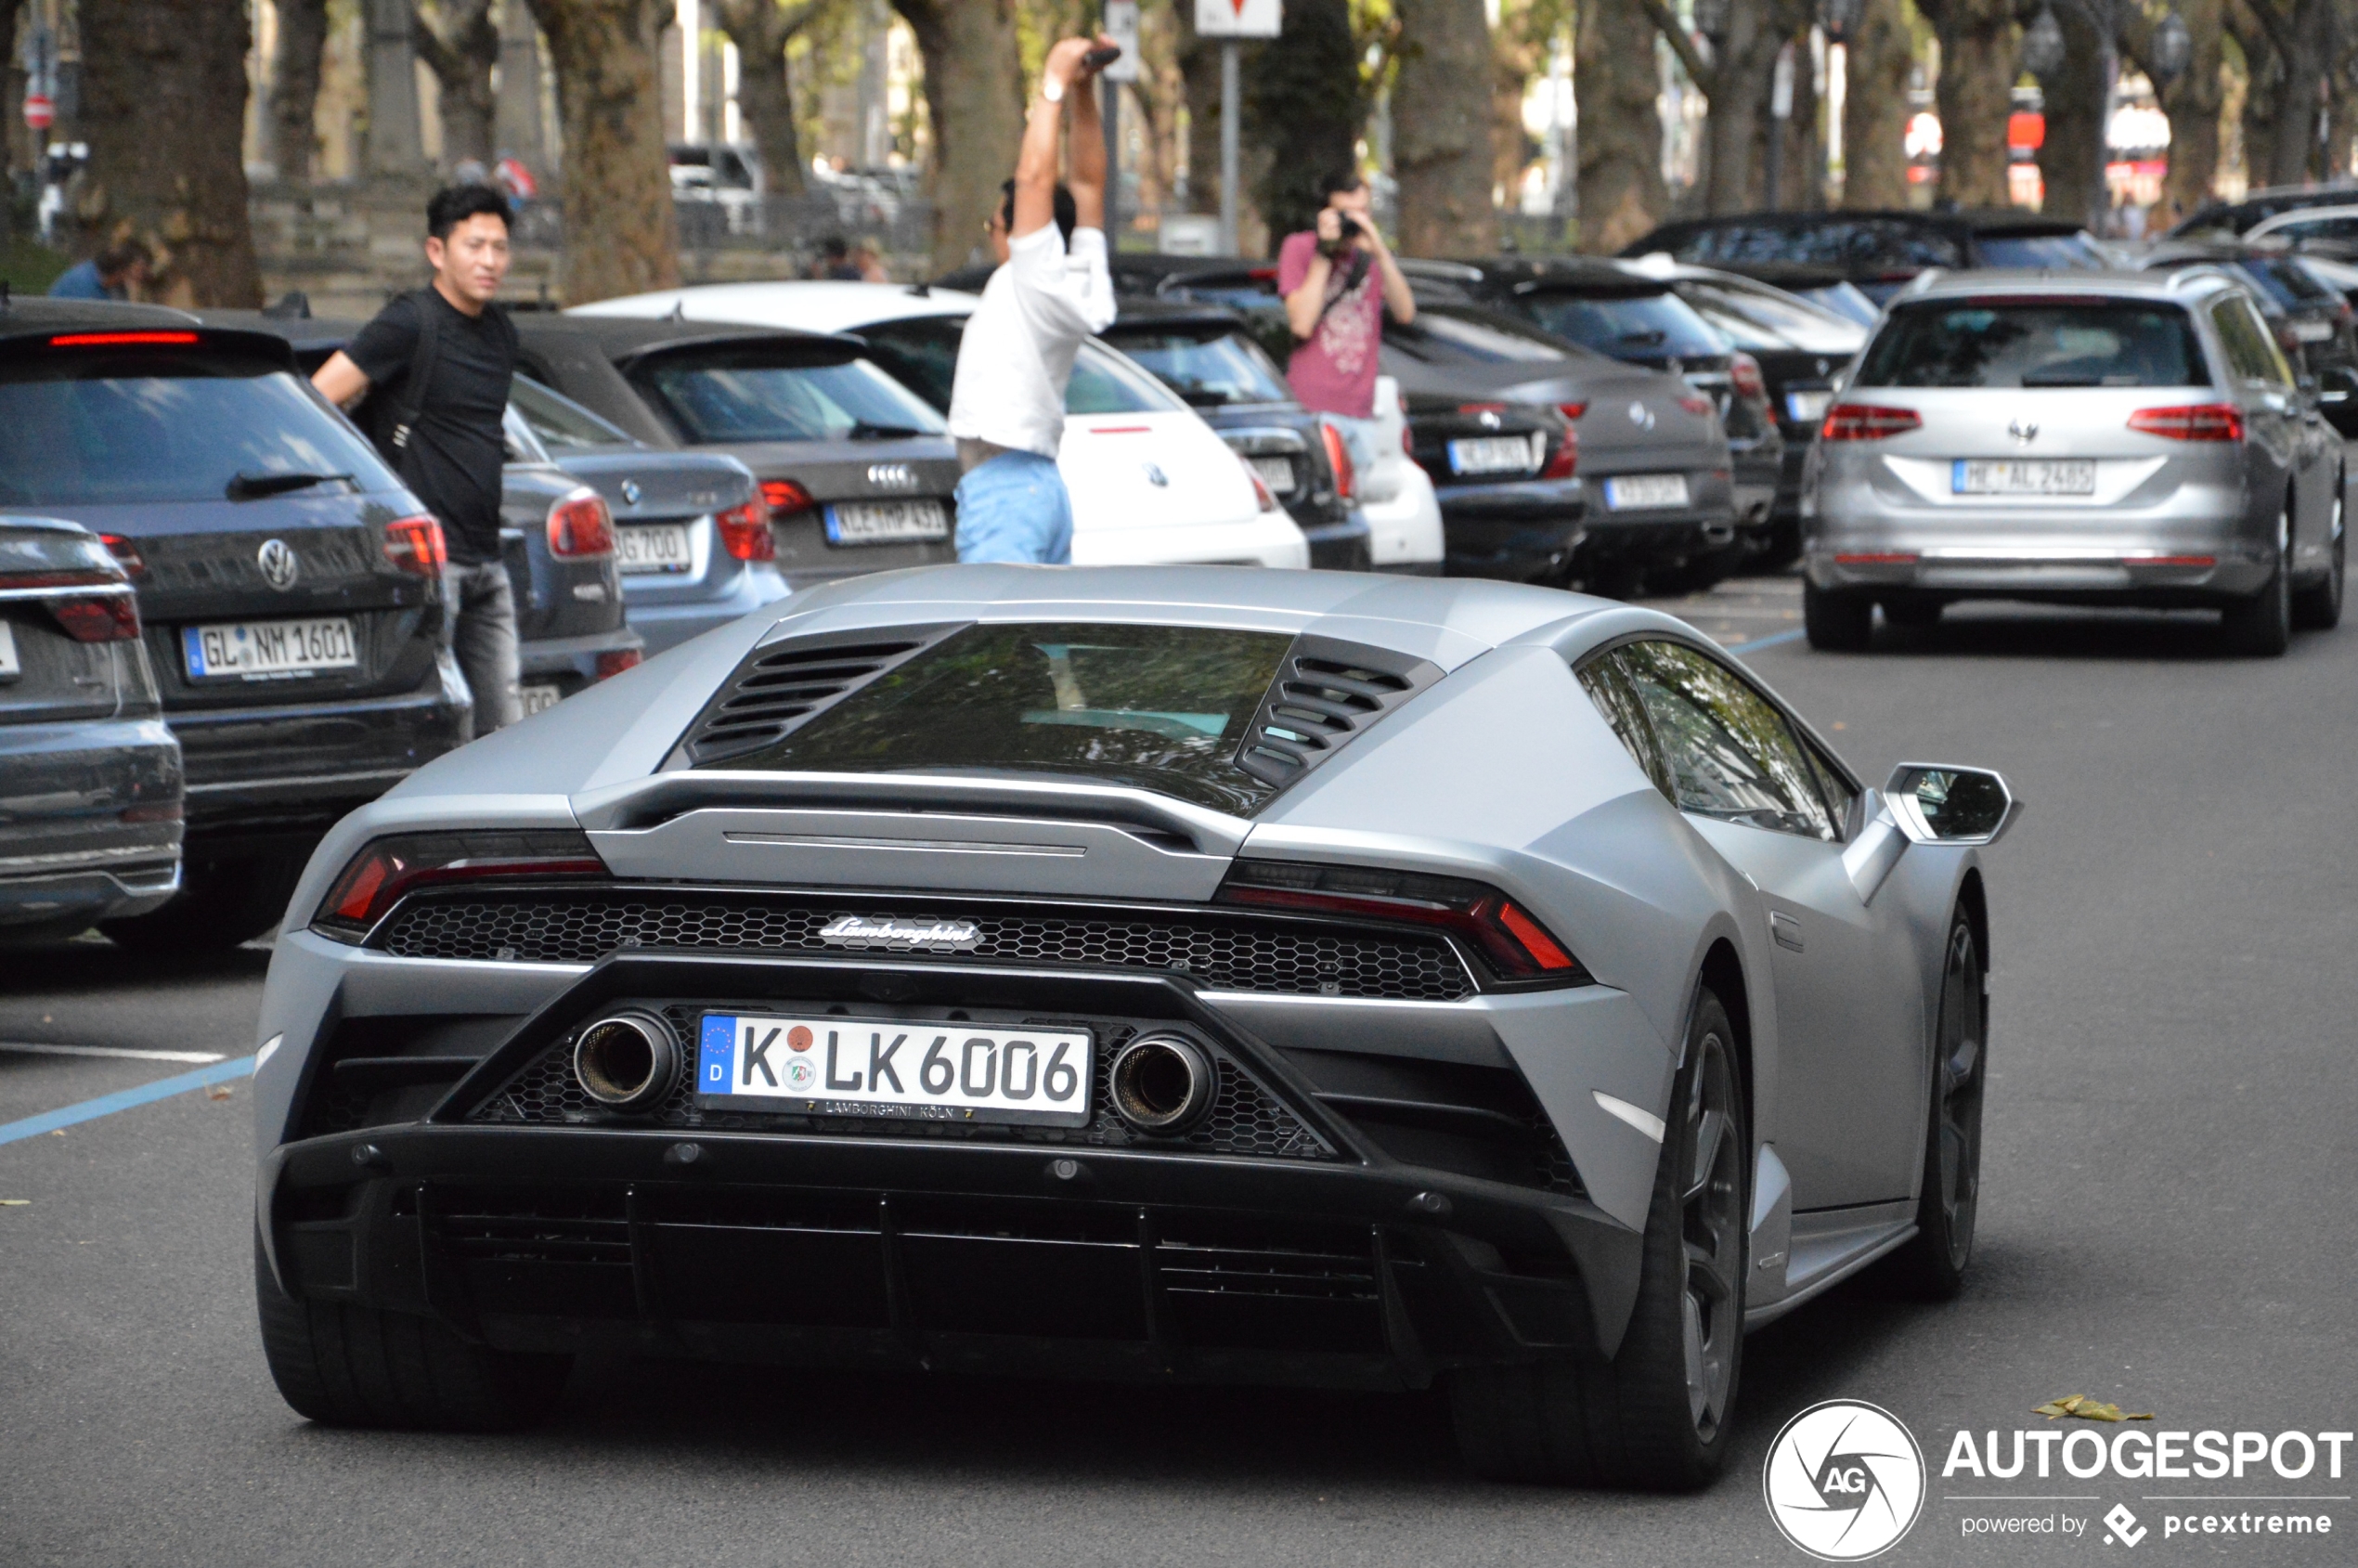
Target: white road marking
111, 1050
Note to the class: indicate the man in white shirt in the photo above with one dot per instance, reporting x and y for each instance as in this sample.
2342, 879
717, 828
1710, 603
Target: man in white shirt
1051, 291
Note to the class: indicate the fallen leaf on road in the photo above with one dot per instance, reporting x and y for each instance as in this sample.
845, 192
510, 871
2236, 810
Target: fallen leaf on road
14, 1202
2087, 1410
218, 1091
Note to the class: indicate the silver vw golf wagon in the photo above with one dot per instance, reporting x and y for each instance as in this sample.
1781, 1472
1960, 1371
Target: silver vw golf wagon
2094, 438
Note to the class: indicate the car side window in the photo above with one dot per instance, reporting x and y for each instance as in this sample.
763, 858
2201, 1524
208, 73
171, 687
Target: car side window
1608, 686
1839, 796
1729, 753
2251, 353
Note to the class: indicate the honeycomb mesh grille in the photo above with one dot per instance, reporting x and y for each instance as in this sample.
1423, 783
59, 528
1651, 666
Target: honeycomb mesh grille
1245, 1119
1222, 954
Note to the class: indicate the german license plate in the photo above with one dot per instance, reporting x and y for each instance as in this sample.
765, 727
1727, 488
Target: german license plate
9, 668
927, 1069
886, 521
1808, 407
1637, 491
2022, 476
259, 650
540, 698
653, 547
1497, 454
1276, 472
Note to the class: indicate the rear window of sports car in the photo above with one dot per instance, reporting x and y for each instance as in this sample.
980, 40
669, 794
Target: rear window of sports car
1155, 707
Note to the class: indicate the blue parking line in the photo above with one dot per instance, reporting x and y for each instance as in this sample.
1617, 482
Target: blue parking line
107, 1104
1795, 635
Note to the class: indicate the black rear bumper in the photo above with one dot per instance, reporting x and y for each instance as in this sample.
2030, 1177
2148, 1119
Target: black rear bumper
1520, 530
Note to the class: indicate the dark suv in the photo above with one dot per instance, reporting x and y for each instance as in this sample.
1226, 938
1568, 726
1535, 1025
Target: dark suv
1879, 252
290, 585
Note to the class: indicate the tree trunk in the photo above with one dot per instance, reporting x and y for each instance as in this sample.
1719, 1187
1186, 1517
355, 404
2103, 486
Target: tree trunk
160, 74
975, 94
1738, 88
294, 87
2069, 164
621, 235
761, 30
1440, 129
1874, 110
2306, 48
1980, 54
1615, 82
15, 137
1799, 165
1303, 110
1157, 97
2191, 102
461, 53
2263, 84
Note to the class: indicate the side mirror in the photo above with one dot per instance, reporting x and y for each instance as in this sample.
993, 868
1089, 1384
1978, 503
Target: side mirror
1935, 803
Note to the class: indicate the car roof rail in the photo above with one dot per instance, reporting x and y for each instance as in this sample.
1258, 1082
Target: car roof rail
1923, 281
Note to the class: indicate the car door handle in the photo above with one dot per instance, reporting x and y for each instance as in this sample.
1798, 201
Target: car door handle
1786, 929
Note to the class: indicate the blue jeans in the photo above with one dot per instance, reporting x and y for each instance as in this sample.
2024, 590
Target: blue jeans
1014, 509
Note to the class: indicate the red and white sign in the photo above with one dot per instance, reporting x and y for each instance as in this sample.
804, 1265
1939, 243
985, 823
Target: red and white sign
39, 113
1240, 19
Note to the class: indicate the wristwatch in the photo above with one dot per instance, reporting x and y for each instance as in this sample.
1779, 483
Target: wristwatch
1052, 89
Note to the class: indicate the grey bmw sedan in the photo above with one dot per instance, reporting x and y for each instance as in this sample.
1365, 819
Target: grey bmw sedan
2103, 438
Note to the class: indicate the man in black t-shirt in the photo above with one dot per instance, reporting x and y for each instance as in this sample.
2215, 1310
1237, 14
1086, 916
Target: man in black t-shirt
444, 432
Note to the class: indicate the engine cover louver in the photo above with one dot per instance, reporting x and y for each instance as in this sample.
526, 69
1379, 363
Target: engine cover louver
781, 686
1326, 693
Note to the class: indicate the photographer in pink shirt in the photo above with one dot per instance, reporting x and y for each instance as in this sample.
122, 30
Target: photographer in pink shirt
1338, 280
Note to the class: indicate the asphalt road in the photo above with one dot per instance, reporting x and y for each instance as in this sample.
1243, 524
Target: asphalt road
2167, 1223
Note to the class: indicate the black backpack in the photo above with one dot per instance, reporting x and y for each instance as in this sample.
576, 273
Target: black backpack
388, 414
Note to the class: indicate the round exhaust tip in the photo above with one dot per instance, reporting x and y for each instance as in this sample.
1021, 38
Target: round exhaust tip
1161, 1083
628, 1061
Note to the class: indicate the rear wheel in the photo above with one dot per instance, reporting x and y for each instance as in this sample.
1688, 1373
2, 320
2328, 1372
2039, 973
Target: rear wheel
1837, 622
1933, 1265
1915, 614
1658, 1415
353, 1365
2261, 625
2318, 606
221, 903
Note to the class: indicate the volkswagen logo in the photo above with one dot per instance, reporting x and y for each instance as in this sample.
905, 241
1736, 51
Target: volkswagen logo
2023, 430
279, 567
1489, 419
630, 492
892, 477
1154, 476
1641, 416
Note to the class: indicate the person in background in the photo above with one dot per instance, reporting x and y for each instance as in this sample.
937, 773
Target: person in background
869, 265
112, 274
1338, 280
466, 347
1050, 292
834, 261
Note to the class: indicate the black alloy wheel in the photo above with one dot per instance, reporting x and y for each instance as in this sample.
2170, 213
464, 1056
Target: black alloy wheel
1659, 1415
1933, 1265
222, 904
2261, 625
1838, 621
2318, 606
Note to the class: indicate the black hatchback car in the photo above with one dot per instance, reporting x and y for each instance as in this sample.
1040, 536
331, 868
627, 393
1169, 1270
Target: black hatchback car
1879, 252
290, 585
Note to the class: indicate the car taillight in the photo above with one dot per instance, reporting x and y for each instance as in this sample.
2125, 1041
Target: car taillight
579, 525
1261, 495
124, 339
1867, 421
101, 617
1696, 403
388, 869
1339, 458
1572, 411
783, 496
126, 552
415, 545
1743, 371
2191, 421
614, 662
1566, 463
1515, 945
744, 532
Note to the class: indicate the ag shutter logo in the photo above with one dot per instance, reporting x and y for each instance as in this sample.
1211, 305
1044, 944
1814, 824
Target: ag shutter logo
1845, 1481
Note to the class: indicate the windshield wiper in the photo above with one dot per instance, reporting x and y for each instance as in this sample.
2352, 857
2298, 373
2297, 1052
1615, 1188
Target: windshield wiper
863, 431
250, 486
1647, 338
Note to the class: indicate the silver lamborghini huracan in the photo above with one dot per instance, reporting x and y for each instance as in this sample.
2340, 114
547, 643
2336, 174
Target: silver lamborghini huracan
1170, 974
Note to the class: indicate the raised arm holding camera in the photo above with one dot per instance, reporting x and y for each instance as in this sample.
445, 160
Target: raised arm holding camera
1338, 281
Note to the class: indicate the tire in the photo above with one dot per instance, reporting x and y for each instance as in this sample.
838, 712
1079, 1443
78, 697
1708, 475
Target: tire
1659, 1416
2318, 606
221, 905
1914, 614
1837, 622
355, 1367
2261, 627
1932, 1265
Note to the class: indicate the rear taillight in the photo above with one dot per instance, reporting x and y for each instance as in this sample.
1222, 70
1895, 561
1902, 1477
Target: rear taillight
101, 617
2191, 421
744, 532
615, 663
1566, 463
126, 552
1867, 421
1696, 403
415, 545
579, 525
1514, 944
387, 869
1339, 458
1572, 411
124, 339
784, 497
1744, 371
1263, 495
